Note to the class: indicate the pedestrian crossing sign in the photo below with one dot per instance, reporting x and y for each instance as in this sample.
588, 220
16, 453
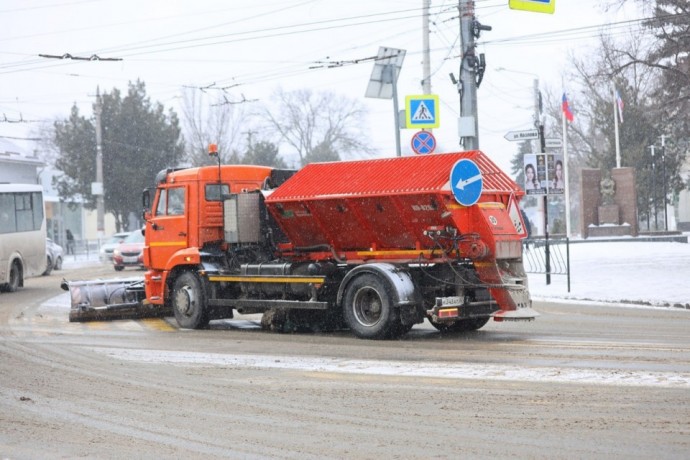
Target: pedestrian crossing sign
421, 111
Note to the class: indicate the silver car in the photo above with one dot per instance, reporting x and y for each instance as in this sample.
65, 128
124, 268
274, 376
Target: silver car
106, 252
53, 256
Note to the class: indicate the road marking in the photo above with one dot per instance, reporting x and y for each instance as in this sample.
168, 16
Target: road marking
157, 324
460, 371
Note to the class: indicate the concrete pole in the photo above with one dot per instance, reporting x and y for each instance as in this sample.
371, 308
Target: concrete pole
615, 123
100, 211
426, 60
537, 112
663, 179
651, 147
566, 177
468, 95
541, 208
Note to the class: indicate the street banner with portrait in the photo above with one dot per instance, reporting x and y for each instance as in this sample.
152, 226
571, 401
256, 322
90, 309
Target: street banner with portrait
556, 174
544, 174
535, 174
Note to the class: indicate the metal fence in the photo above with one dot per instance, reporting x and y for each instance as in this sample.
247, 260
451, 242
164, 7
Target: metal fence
89, 248
550, 256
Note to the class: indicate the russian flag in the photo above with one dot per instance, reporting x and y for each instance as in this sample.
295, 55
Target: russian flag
566, 109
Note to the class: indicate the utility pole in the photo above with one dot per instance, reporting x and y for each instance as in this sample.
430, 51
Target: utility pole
615, 124
249, 138
663, 178
426, 60
651, 147
97, 188
471, 73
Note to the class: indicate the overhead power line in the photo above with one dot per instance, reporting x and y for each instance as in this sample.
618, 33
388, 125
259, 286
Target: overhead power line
227, 101
21, 119
93, 57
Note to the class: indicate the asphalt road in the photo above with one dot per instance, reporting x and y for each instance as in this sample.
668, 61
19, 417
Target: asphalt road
579, 382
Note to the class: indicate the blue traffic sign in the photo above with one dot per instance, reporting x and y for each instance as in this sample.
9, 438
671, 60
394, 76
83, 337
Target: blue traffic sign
423, 142
421, 111
466, 182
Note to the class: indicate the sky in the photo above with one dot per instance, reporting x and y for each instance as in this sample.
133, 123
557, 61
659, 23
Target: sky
246, 50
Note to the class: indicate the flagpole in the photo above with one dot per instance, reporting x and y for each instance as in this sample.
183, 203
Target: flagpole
566, 190
615, 123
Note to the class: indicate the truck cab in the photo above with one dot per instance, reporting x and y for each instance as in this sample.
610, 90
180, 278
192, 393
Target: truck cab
186, 216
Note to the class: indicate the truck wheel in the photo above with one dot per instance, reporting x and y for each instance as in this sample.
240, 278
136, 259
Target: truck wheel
15, 278
368, 310
189, 302
461, 325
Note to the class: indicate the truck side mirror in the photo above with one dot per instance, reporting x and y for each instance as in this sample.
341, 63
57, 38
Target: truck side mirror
146, 202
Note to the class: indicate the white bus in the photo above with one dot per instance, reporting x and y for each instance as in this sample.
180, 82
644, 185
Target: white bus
22, 234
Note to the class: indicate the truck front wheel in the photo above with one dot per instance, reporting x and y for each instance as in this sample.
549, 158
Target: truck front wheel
368, 309
189, 301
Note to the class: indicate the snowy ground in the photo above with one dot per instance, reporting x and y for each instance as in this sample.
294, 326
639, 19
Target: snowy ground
623, 272
627, 271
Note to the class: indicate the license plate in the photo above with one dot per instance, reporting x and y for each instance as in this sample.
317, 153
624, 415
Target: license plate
130, 260
453, 301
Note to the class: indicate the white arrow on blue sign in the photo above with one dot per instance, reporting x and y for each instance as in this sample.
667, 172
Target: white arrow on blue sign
466, 182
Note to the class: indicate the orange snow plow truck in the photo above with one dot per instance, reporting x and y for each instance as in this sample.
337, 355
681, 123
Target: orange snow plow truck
375, 246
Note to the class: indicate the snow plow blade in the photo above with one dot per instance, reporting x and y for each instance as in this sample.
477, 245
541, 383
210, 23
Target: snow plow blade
100, 300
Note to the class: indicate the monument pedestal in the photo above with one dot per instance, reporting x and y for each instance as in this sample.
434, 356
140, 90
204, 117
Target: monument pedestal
618, 216
609, 214
609, 223
609, 230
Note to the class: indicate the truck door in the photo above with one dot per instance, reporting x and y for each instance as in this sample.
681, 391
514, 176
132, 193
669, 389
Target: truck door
167, 230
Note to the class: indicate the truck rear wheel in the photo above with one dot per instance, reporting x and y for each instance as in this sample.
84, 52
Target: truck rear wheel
368, 309
189, 301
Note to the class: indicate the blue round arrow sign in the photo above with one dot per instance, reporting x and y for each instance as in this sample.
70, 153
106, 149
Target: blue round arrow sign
466, 182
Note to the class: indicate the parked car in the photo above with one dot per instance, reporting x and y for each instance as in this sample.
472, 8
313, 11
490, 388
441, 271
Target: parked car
106, 252
130, 253
53, 256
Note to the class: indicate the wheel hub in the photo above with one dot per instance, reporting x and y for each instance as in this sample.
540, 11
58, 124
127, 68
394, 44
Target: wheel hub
184, 300
367, 306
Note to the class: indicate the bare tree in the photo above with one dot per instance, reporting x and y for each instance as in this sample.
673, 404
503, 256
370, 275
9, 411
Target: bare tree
213, 120
668, 57
644, 89
318, 126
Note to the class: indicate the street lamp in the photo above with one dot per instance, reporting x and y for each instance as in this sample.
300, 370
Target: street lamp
651, 147
537, 93
664, 180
